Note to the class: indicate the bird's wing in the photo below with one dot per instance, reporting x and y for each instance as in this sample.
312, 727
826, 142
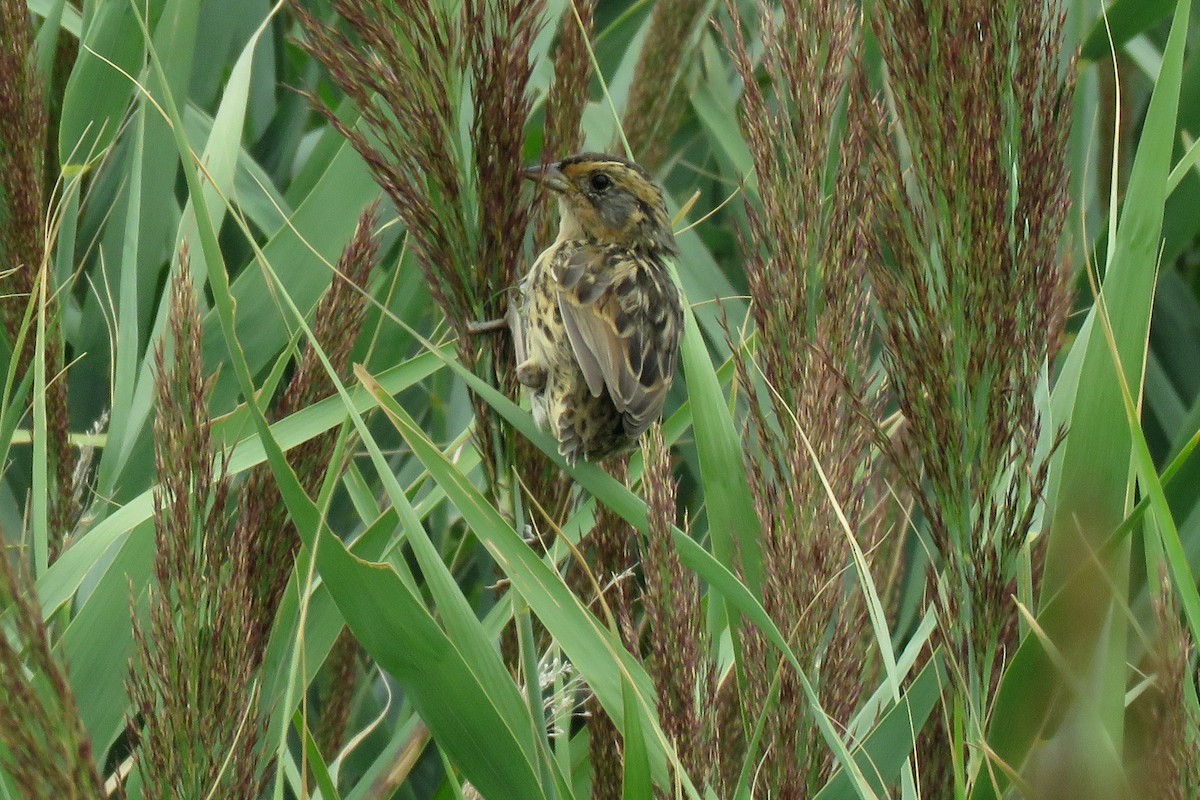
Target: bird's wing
623, 318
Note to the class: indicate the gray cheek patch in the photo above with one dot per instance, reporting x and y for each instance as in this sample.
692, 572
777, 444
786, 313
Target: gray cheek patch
615, 209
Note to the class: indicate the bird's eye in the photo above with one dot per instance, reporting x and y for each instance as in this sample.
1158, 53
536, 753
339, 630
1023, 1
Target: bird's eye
600, 182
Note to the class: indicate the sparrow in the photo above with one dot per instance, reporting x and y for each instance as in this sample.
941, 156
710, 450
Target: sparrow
599, 317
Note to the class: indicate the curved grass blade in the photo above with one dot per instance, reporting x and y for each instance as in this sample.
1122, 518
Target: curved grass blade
594, 651
884, 751
102, 543
636, 784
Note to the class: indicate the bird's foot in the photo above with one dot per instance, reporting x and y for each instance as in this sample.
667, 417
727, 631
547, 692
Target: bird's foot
531, 374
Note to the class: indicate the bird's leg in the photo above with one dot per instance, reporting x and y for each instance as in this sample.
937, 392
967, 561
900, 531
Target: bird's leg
509, 320
529, 373
487, 326
513, 320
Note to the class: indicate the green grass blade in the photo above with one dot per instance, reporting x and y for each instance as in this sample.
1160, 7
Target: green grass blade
625, 504
97, 95
884, 751
636, 784
408, 643
594, 651
66, 575
732, 518
42, 483
315, 762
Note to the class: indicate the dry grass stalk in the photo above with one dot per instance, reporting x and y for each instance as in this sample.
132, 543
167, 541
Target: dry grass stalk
410, 66
23, 247
565, 101
193, 679
971, 182
606, 752
1164, 728
812, 383
969, 280
340, 681
612, 562
263, 519
46, 751
674, 623
22, 137
548, 490
658, 93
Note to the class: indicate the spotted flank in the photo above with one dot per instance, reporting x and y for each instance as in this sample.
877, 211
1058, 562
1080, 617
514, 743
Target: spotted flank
600, 314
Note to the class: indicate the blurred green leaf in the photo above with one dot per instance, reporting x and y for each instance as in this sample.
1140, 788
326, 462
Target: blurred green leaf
1126, 19
891, 743
408, 643
636, 784
98, 94
1089, 490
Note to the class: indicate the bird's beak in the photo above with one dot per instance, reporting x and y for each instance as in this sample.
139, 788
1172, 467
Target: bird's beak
548, 175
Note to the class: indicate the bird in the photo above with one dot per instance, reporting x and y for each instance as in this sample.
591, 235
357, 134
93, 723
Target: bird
599, 316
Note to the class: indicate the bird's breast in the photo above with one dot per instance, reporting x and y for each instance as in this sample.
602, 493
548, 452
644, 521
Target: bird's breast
623, 322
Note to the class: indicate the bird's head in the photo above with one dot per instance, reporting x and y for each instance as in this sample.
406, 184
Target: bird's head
608, 199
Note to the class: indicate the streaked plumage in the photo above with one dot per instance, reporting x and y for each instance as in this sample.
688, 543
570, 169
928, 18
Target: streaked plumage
600, 317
